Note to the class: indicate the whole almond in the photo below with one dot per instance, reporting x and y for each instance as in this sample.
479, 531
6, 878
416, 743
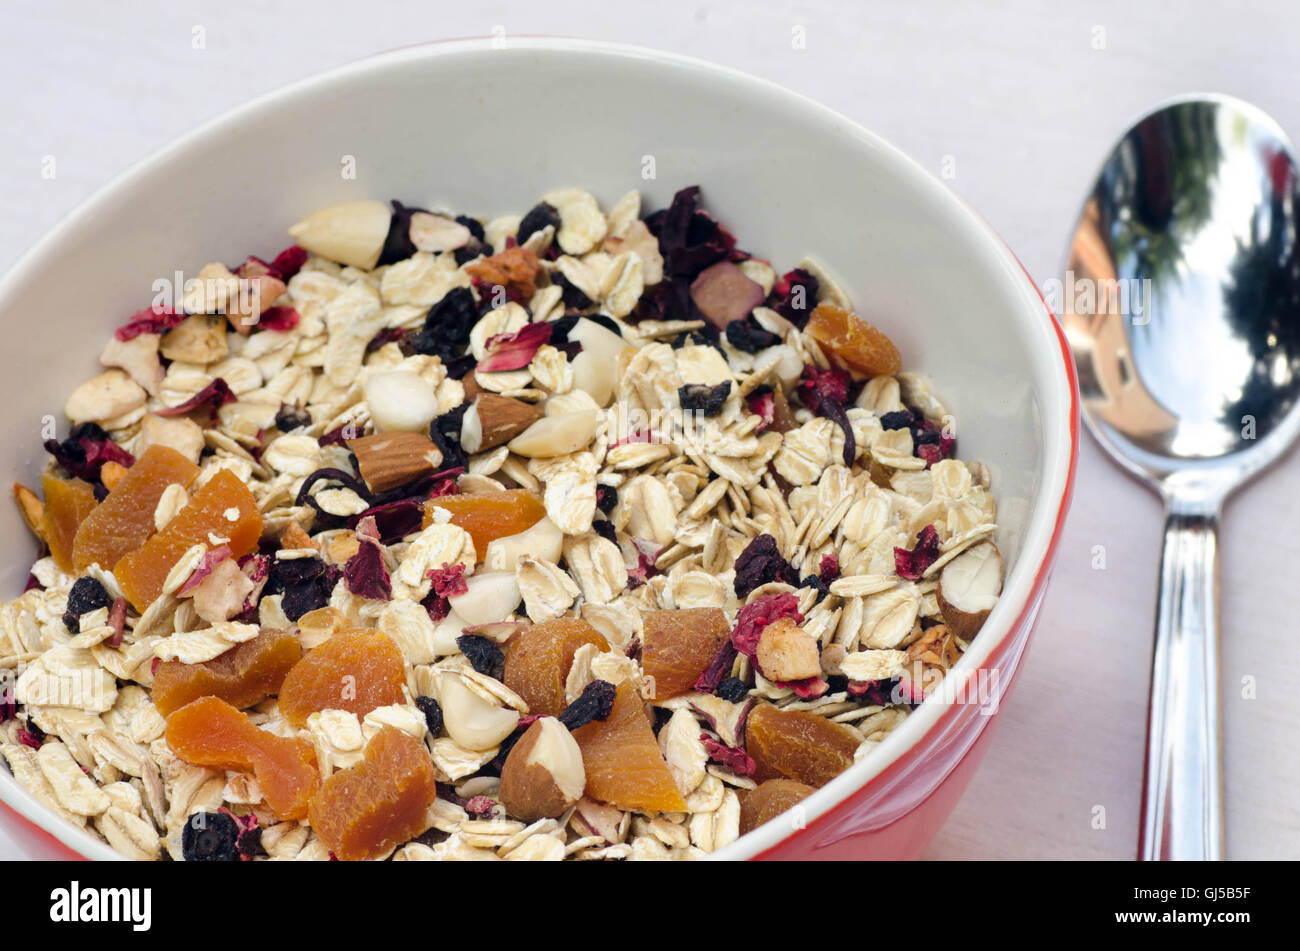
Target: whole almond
493, 420
389, 460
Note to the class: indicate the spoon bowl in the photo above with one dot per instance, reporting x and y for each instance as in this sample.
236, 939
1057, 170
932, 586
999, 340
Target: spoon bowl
1181, 305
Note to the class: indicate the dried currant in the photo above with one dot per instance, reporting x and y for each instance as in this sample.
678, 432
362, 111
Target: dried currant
87, 595
210, 837
432, 711
291, 417
732, 689
898, 419
445, 433
483, 655
606, 498
445, 333
594, 703
911, 564
700, 397
538, 217
748, 336
761, 563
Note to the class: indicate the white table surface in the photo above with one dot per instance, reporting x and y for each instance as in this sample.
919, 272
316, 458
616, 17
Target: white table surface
1018, 99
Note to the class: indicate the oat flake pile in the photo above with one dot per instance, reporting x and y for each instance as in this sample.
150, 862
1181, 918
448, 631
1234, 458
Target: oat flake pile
578, 535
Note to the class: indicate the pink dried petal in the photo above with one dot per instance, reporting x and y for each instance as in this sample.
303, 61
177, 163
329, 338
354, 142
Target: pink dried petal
758, 614
810, 688
152, 320
515, 351
911, 565
365, 573
719, 668
209, 561
28, 738
736, 760
723, 293
211, 398
367, 529
278, 318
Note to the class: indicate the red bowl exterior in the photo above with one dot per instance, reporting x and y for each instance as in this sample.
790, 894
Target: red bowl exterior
897, 812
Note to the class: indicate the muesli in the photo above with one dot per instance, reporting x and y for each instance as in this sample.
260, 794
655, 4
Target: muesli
575, 535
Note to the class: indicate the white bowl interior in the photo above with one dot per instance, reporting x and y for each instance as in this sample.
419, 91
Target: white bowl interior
485, 131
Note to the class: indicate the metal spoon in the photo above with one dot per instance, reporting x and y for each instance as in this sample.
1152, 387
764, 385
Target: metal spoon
1189, 370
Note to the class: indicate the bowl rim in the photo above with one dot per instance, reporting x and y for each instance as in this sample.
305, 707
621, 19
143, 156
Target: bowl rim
1024, 584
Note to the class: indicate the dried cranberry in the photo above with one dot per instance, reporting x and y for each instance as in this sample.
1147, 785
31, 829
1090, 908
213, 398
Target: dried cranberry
445, 333
748, 336
594, 703
483, 655
210, 837
758, 614
606, 498
699, 397
761, 563
732, 689
538, 217
432, 711
288, 262
911, 564
291, 417
87, 595
828, 568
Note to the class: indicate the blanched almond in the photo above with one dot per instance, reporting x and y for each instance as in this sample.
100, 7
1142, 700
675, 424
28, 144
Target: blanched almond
969, 586
400, 401
352, 232
557, 435
543, 775
543, 540
472, 721
594, 367
435, 233
489, 596
493, 420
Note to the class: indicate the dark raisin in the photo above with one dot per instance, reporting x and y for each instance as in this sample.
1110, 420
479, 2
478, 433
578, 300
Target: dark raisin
605, 529
86, 595
898, 419
561, 326
538, 217
733, 689
210, 837
483, 655
445, 333
432, 711
926, 437
474, 248
761, 563
572, 295
398, 245
703, 398
291, 417
474, 225
748, 336
445, 433
594, 703
606, 498
457, 368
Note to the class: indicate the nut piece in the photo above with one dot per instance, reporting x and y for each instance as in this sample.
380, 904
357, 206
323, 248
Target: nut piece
969, 586
543, 775
30, 507
401, 400
352, 232
198, 338
494, 420
786, 652
557, 435
389, 460
435, 233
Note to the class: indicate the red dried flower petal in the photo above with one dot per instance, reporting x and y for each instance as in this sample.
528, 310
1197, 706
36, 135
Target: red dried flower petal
810, 688
719, 668
151, 320
289, 262
212, 397
912, 564
515, 351
758, 614
207, 563
278, 318
735, 759
365, 574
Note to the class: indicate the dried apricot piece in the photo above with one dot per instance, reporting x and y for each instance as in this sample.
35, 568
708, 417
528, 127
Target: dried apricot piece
364, 812
489, 515
124, 520
677, 646
539, 660
222, 508
210, 732
353, 670
797, 745
853, 341
621, 757
515, 269
67, 503
246, 674
769, 800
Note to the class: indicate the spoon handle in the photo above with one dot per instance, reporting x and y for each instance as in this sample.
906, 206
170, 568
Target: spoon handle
1182, 797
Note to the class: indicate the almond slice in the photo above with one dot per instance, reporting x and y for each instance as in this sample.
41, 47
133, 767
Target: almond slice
494, 420
389, 460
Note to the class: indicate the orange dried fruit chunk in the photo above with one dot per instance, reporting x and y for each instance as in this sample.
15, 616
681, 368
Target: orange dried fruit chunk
489, 515
246, 674
769, 800
796, 745
677, 646
222, 507
353, 670
210, 732
124, 520
67, 504
515, 269
856, 343
369, 809
622, 759
539, 659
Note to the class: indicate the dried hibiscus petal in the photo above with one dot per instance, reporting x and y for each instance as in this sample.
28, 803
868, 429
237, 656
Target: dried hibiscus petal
151, 320
734, 759
365, 573
716, 674
761, 563
85, 451
758, 614
211, 398
288, 262
514, 351
826, 393
449, 580
912, 564
794, 296
689, 238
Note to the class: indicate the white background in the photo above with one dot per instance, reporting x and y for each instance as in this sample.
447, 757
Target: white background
1022, 99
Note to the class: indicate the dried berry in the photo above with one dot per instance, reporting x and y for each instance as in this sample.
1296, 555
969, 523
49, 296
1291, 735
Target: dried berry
86, 450
573, 296
366, 575
748, 336
483, 655
594, 703
828, 568
291, 417
761, 563
826, 393
732, 689
716, 673
445, 433
210, 837
432, 711
816, 583
606, 498
306, 584
398, 246
898, 419
279, 318
87, 595
445, 333
795, 296
758, 614
912, 564
288, 262
604, 527
931, 443
689, 238
538, 217
152, 320
699, 397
